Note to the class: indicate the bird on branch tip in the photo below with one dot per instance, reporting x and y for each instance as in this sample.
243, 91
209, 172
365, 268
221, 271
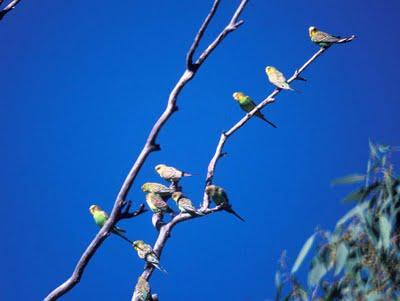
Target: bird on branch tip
184, 204
325, 40
146, 253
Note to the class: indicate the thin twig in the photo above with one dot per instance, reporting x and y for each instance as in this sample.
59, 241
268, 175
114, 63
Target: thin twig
270, 99
165, 229
149, 147
9, 7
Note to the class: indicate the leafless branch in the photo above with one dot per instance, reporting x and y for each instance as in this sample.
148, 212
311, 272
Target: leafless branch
270, 99
9, 7
149, 147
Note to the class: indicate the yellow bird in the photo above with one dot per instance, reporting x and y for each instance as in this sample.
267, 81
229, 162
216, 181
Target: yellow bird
277, 78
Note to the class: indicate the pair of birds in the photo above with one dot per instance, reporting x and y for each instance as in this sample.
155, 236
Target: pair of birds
277, 78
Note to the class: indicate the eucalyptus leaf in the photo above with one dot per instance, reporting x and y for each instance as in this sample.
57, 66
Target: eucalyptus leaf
341, 256
385, 229
349, 179
317, 271
303, 253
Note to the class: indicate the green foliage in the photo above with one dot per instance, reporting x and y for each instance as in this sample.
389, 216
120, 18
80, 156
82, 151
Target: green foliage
360, 258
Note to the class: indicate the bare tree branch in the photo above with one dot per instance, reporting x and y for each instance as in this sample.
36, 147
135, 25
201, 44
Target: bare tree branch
165, 229
149, 147
9, 7
270, 99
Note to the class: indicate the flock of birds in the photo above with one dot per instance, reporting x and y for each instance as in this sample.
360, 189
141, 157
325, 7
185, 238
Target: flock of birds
158, 194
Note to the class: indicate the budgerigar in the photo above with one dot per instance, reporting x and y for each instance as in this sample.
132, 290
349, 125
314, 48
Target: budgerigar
170, 173
157, 204
247, 104
219, 196
277, 78
323, 39
100, 217
146, 253
157, 188
184, 204
142, 290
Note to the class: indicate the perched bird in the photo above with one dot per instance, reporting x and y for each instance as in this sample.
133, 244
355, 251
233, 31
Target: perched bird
324, 39
247, 104
157, 204
146, 253
277, 78
142, 289
100, 217
219, 196
170, 173
184, 204
160, 189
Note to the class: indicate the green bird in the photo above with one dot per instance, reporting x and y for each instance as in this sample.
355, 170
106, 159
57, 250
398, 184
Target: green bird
157, 203
146, 253
160, 189
184, 204
247, 104
100, 217
325, 40
219, 196
142, 290
170, 173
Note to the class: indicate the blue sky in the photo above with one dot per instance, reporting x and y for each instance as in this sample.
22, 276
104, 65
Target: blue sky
83, 82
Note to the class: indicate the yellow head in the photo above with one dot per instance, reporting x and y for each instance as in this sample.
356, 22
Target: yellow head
312, 30
176, 196
269, 70
238, 96
145, 187
159, 167
210, 189
137, 244
94, 208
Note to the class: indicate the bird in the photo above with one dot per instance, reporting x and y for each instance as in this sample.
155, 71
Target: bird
184, 204
247, 104
100, 217
324, 39
146, 253
170, 173
277, 78
220, 198
160, 189
142, 289
157, 203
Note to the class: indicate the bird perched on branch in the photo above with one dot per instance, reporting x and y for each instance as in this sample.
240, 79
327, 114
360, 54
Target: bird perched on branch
220, 198
160, 189
247, 104
146, 253
157, 203
100, 217
277, 78
184, 204
325, 40
170, 173
142, 289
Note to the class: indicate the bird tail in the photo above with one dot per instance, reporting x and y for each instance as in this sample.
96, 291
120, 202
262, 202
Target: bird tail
268, 121
346, 40
119, 230
159, 267
186, 174
123, 237
230, 210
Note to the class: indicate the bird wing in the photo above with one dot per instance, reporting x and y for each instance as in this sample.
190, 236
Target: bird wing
187, 204
159, 203
321, 36
278, 77
171, 173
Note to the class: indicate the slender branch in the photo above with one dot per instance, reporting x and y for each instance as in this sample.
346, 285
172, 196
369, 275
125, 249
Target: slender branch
270, 99
149, 147
9, 7
165, 229
200, 33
